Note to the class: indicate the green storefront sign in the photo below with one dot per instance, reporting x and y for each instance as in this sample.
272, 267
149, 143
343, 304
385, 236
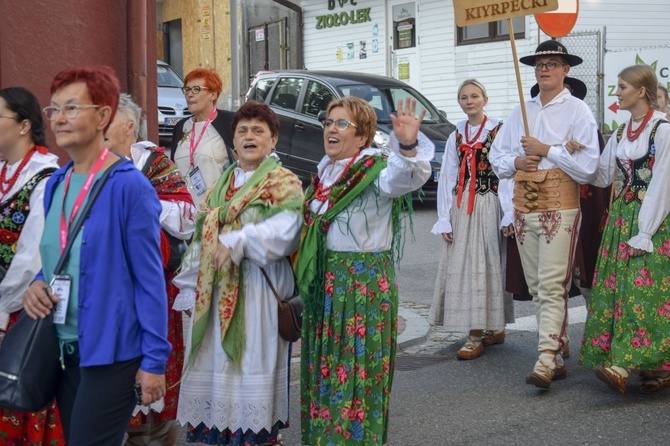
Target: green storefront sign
343, 18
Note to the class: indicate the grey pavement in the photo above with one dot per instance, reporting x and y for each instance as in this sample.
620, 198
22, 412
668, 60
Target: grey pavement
439, 400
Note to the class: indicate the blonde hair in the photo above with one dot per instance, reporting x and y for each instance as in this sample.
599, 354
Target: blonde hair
474, 82
642, 76
362, 114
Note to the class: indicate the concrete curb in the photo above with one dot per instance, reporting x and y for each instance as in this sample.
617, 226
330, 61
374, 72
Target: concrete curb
416, 329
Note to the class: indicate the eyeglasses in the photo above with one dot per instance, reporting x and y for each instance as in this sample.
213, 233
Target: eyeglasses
340, 124
195, 90
549, 65
69, 110
8, 117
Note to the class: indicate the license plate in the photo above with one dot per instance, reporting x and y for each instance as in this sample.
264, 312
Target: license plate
172, 121
436, 175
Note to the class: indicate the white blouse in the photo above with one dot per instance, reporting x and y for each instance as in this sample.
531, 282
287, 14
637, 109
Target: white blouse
365, 225
656, 202
449, 177
26, 262
210, 156
177, 217
562, 119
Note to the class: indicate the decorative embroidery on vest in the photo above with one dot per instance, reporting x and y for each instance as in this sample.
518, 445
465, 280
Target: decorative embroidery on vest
13, 214
486, 179
632, 177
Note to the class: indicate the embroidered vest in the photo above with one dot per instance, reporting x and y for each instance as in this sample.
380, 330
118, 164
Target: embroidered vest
13, 214
487, 181
633, 176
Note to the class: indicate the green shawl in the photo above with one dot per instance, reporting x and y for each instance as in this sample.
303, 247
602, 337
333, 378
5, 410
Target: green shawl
271, 189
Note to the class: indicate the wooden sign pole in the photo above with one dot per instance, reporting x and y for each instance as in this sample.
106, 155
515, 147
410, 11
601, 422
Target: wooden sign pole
474, 12
518, 76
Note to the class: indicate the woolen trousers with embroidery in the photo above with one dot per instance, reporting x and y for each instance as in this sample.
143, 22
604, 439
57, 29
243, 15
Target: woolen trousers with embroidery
547, 242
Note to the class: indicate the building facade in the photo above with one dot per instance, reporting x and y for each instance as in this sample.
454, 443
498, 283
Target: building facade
418, 42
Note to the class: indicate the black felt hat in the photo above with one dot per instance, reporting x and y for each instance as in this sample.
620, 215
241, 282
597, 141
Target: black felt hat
551, 48
578, 88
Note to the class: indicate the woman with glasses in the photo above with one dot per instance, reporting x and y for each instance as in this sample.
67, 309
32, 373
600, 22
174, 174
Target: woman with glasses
177, 218
353, 212
201, 144
470, 292
234, 389
628, 324
25, 166
112, 306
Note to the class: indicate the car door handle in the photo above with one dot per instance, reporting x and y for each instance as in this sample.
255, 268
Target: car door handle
299, 127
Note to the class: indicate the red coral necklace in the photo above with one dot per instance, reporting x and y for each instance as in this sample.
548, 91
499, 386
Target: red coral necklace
631, 134
322, 193
5, 184
469, 141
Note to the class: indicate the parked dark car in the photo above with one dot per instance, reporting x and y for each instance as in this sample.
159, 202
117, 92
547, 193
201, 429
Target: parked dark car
299, 96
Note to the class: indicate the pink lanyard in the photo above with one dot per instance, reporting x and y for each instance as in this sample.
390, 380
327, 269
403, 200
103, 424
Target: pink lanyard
80, 197
195, 143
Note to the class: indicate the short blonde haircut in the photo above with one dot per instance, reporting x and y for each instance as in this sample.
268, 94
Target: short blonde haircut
642, 76
362, 115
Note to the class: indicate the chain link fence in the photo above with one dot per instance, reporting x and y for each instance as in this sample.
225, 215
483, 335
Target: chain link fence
589, 46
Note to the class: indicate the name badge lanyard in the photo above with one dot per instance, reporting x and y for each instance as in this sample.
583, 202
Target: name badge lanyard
194, 143
80, 197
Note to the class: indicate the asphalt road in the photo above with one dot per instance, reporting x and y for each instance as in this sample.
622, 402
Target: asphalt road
438, 400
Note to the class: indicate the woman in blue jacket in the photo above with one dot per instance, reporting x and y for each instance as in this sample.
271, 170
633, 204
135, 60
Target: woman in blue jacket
114, 332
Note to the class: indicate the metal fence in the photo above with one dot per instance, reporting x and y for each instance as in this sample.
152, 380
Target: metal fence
589, 46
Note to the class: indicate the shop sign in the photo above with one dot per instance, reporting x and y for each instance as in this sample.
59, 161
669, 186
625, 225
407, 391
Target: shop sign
343, 18
474, 12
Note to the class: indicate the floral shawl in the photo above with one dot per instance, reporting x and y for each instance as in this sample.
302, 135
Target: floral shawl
271, 189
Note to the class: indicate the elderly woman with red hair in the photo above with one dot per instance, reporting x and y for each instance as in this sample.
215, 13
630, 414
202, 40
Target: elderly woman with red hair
114, 333
201, 144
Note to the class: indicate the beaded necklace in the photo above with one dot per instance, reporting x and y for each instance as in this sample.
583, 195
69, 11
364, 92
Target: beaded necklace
469, 141
5, 184
631, 134
321, 193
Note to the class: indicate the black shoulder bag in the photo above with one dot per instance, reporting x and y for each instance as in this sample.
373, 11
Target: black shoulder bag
29, 355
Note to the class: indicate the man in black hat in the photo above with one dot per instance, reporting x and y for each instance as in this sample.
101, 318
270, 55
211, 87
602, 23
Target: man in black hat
546, 194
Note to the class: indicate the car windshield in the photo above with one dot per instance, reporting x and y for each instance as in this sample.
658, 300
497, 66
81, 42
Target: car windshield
385, 99
168, 78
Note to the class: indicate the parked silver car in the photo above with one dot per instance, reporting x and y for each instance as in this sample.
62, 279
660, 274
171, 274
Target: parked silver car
171, 102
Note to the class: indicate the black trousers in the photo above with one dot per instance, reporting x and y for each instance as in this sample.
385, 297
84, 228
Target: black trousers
96, 403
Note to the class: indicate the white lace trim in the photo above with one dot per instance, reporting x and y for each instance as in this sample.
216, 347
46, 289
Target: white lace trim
184, 301
443, 226
643, 242
224, 402
158, 406
507, 219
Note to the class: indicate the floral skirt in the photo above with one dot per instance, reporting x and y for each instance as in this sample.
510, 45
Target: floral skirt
30, 429
348, 352
174, 365
628, 322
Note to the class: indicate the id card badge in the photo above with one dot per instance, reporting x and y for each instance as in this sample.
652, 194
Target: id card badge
197, 182
60, 287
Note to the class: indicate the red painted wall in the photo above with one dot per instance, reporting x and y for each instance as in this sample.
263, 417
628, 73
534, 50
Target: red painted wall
39, 38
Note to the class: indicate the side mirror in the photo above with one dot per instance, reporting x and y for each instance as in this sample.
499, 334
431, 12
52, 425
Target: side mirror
442, 113
322, 116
